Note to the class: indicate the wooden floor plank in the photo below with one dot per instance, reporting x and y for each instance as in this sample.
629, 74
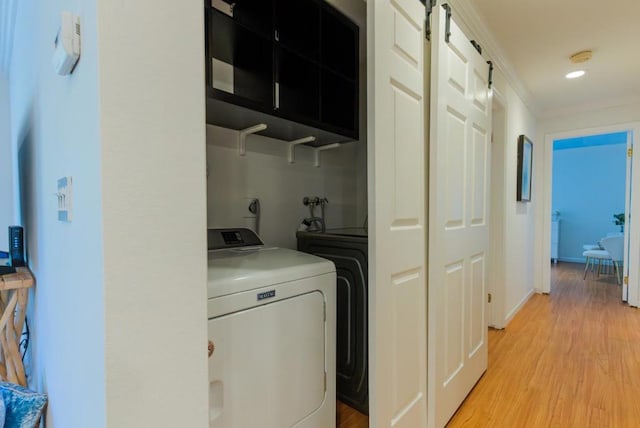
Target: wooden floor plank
569, 359
348, 417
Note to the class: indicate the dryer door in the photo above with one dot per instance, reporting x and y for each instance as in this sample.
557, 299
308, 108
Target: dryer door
268, 365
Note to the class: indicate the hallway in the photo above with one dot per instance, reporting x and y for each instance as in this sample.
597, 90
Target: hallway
570, 359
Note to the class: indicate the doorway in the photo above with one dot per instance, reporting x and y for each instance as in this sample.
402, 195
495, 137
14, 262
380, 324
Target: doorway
589, 179
632, 198
588, 189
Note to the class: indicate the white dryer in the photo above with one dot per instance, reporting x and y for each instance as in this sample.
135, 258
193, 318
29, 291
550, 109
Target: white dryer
271, 335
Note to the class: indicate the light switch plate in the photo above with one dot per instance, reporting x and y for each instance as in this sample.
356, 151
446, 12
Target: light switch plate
65, 192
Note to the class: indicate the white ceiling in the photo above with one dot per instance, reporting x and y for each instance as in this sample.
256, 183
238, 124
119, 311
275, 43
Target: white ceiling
538, 36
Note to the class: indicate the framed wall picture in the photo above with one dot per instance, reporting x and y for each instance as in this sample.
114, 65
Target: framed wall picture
525, 160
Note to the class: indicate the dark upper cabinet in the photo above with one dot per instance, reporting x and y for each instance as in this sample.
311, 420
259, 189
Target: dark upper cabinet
339, 104
297, 26
255, 15
339, 44
297, 86
241, 61
292, 64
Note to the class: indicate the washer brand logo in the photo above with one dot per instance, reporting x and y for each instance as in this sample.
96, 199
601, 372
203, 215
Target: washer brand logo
267, 295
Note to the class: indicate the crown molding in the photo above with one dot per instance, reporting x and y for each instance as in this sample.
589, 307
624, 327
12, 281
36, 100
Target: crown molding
8, 9
619, 103
467, 15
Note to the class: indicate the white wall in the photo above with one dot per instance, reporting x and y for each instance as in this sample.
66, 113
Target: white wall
55, 132
518, 217
154, 212
6, 167
118, 314
588, 188
589, 119
497, 269
265, 173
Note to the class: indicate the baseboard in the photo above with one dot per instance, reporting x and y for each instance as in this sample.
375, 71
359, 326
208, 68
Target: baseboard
517, 308
571, 259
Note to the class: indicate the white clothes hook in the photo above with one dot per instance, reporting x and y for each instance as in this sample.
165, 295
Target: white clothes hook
321, 148
242, 136
294, 143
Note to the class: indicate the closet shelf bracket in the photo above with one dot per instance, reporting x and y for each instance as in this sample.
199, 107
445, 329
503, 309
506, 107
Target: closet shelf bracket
294, 143
321, 148
242, 136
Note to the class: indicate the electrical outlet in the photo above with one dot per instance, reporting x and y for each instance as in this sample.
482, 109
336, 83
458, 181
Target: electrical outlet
65, 192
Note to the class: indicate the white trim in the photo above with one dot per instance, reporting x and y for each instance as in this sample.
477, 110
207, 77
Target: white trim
571, 259
498, 275
467, 14
596, 105
517, 308
545, 249
8, 9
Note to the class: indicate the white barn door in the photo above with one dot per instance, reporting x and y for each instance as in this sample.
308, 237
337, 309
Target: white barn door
396, 175
458, 217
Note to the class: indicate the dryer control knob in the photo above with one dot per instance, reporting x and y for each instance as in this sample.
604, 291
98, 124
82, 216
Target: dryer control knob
211, 348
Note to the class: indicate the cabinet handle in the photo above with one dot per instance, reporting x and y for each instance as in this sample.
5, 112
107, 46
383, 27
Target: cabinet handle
211, 347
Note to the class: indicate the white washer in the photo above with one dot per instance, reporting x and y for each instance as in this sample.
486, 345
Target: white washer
272, 326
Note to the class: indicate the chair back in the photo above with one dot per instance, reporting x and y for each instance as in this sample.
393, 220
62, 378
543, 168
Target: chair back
614, 245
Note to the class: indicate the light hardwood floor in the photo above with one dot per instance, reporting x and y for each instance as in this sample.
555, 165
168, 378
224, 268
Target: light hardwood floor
568, 359
348, 417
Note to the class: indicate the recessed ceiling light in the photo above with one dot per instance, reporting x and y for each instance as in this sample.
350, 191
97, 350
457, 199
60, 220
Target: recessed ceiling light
574, 74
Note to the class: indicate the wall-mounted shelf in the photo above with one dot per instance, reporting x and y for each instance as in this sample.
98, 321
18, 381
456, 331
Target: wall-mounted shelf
294, 143
233, 116
321, 149
295, 61
242, 136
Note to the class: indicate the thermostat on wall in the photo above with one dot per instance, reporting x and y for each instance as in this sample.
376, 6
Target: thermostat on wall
67, 44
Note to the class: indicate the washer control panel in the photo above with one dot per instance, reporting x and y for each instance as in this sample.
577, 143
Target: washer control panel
220, 239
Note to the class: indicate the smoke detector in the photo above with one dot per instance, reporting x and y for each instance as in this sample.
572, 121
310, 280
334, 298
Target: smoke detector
580, 57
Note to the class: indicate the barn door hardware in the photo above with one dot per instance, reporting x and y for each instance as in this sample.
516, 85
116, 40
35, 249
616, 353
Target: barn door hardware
428, 7
447, 30
477, 46
490, 73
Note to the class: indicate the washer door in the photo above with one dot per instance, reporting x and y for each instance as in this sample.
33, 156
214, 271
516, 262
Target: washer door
267, 368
